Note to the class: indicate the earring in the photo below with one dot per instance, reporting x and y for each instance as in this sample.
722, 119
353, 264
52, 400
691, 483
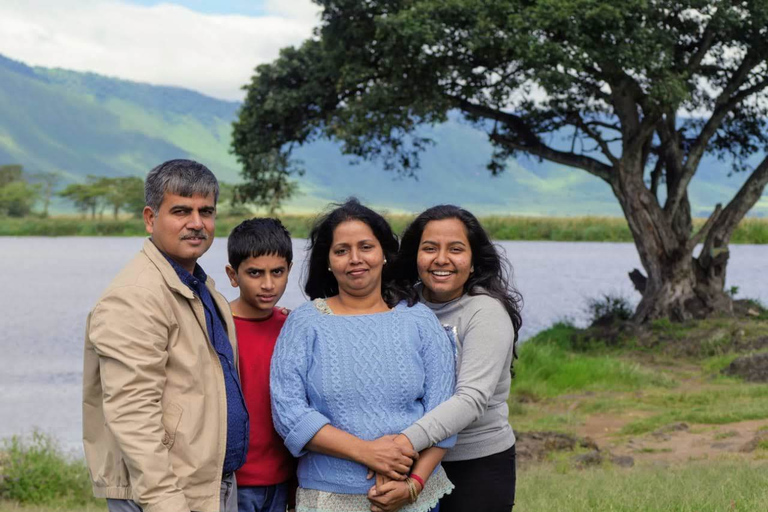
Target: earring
329, 269
385, 261
471, 269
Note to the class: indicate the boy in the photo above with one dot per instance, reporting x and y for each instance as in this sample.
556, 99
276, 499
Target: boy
260, 257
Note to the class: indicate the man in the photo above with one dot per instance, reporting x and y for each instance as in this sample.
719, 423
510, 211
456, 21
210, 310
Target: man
164, 419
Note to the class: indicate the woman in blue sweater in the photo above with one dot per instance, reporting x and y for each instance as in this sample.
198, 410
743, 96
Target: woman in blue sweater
360, 361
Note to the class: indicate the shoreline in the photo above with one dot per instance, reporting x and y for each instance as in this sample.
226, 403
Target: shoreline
500, 228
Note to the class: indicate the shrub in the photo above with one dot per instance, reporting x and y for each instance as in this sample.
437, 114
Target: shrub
608, 309
36, 471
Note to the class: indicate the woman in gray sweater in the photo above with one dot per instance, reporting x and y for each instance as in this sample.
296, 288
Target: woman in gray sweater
460, 275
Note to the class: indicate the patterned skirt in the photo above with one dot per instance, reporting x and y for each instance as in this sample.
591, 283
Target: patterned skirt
312, 500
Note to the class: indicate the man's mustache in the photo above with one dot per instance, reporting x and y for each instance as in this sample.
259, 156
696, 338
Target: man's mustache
195, 234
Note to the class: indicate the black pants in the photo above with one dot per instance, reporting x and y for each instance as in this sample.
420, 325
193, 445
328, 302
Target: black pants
482, 485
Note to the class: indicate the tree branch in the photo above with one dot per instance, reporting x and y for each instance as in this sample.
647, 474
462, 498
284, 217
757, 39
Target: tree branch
579, 122
602, 124
749, 194
707, 39
725, 102
530, 142
541, 150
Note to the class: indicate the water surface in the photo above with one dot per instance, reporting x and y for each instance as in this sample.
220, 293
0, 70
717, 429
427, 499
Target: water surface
50, 284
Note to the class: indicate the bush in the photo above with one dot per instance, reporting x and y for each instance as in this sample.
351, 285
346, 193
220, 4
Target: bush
608, 309
36, 471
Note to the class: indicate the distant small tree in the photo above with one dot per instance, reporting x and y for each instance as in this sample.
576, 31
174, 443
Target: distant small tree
10, 173
109, 192
48, 182
101, 192
85, 197
133, 194
17, 197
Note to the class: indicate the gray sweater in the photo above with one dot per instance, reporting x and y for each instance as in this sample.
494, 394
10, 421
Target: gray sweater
478, 409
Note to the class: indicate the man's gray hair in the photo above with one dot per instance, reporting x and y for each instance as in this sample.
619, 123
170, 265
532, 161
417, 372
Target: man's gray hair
185, 178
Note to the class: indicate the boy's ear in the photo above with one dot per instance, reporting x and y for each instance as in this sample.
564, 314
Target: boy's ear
232, 275
290, 266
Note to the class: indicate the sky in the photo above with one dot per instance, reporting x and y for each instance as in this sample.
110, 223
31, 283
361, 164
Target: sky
208, 46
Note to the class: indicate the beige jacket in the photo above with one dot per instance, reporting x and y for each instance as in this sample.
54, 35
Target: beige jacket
154, 403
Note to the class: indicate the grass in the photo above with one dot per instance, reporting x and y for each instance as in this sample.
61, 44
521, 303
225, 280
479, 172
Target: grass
560, 229
36, 472
561, 380
713, 486
10, 506
548, 368
717, 403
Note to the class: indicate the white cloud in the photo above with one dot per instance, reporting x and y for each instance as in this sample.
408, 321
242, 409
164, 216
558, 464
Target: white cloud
164, 44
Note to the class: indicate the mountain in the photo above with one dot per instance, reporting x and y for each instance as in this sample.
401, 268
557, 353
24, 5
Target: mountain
83, 123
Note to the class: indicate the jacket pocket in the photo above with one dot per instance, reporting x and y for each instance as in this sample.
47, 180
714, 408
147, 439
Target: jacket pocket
171, 419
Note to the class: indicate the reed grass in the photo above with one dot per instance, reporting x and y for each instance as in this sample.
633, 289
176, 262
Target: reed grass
555, 229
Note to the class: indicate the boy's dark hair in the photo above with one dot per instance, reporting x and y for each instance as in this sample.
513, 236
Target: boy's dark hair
259, 237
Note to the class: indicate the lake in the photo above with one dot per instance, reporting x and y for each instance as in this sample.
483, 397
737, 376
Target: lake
50, 284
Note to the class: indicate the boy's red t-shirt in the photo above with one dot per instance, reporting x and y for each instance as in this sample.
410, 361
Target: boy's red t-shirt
268, 462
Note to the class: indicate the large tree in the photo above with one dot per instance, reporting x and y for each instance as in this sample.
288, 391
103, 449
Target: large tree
641, 91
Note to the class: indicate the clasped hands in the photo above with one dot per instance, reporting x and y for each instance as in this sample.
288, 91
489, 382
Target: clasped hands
390, 458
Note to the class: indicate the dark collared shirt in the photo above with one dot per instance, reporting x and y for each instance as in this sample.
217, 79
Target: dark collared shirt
237, 414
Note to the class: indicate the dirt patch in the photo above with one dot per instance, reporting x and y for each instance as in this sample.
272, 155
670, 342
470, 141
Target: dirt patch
536, 446
758, 442
676, 444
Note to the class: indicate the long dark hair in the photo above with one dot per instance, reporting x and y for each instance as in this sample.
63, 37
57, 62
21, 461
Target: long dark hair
321, 283
493, 272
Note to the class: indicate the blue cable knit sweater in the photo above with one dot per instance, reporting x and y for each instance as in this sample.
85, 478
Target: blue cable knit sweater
369, 375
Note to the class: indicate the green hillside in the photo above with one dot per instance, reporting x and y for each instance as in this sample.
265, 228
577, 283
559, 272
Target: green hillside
82, 123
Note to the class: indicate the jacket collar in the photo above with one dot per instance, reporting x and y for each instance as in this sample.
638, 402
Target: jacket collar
166, 270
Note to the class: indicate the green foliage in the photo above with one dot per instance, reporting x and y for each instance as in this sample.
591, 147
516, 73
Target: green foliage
548, 367
593, 229
378, 70
609, 308
595, 85
17, 196
100, 192
83, 196
76, 124
17, 199
47, 181
10, 174
35, 471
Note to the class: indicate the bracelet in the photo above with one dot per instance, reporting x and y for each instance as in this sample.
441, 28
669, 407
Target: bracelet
412, 493
418, 479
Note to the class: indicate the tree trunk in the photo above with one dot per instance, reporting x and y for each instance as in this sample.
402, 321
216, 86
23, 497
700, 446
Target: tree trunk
677, 286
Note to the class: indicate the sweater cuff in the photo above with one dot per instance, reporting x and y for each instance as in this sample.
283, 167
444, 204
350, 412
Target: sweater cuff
304, 431
447, 443
417, 436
